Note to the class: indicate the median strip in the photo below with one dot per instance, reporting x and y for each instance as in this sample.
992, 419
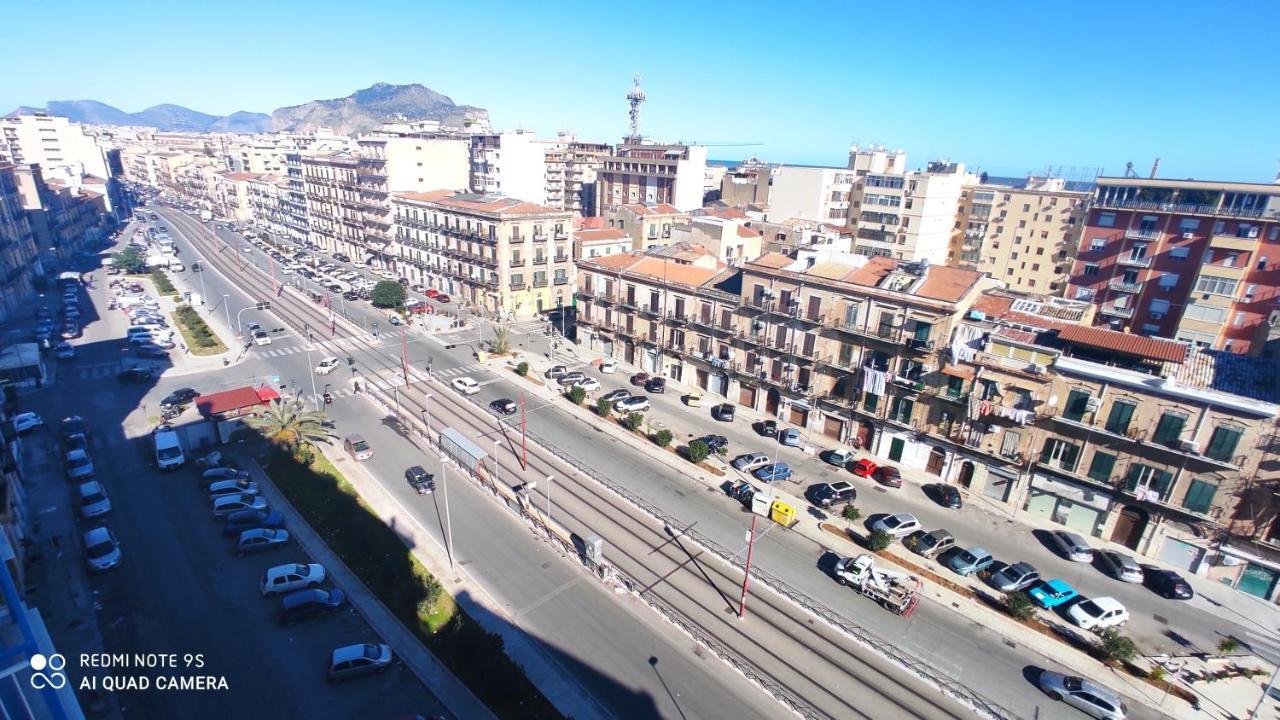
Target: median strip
196, 332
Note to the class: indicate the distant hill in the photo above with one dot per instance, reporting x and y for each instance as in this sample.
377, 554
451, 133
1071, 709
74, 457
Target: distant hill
362, 110
368, 108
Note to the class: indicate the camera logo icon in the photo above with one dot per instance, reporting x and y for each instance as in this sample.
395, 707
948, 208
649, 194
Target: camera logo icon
47, 672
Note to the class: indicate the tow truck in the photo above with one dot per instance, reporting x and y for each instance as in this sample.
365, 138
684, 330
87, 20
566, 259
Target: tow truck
897, 592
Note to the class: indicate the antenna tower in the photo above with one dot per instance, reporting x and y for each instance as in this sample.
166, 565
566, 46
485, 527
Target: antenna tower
635, 97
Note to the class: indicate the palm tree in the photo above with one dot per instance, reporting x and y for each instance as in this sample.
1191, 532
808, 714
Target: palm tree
290, 425
501, 340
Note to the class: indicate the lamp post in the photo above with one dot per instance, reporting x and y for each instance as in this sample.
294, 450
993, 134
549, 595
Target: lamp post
549, 478
226, 305
426, 414
448, 526
311, 368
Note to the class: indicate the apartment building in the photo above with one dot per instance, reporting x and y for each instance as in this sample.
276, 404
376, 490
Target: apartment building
49, 141
293, 200
19, 262
650, 173
1026, 236
747, 184
907, 216
266, 205
64, 218
791, 235
811, 192
730, 240
335, 209
259, 155
647, 224
505, 257
876, 160
231, 195
559, 173
1195, 261
582, 159
598, 242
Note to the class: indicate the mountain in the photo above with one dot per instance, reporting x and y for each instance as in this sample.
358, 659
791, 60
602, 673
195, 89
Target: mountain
162, 117
368, 108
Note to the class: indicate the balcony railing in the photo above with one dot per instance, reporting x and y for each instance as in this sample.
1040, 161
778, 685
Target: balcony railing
1116, 310
1186, 208
920, 345
676, 318
1142, 233
887, 333
540, 283
1125, 287
1131, 261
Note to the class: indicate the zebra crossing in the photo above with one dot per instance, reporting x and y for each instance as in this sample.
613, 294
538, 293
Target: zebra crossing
524, 327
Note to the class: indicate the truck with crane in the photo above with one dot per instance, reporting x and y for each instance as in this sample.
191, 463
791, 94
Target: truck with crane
897, 592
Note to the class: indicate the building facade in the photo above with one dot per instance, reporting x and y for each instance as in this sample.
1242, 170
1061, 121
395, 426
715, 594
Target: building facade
907, 216
19, 264
335, 210
644, 173
810, 192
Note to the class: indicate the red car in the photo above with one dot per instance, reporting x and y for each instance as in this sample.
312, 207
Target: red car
640, 378
890, 477
432, 292
422, 309
442, 298
863, 468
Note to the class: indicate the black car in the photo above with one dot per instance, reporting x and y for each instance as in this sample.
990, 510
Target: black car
504, 406
767, 428
310, 603
723, 412
351, 295
1167, 583
241, 520
827, 494
656, 385
947, 496
134, 375
342, 258
151, 351
420, 480
615, 395
178, 398
715, 442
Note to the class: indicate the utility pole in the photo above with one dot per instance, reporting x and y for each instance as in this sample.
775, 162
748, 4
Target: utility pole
448, 526
746, 575
404, 355
524, 436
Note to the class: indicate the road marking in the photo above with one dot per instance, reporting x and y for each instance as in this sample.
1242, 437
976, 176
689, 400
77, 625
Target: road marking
547, 598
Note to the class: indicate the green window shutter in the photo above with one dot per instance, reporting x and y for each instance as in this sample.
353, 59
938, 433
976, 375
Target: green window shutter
1132, 475
1070, 454
1169, 429
1162, 482
1077, 405
922, 331
1222, 446
1046, 453
1101, 466
870, 402
1200, 496
1121, 415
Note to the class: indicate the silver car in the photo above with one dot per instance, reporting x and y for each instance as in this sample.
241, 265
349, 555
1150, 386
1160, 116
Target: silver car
1072, 546
1120, 566
1089, 697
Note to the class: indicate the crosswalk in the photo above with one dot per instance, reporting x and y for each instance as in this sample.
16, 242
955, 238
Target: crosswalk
524, 327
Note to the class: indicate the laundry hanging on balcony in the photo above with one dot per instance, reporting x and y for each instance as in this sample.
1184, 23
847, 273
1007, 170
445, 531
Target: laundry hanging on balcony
966, 342
873, 381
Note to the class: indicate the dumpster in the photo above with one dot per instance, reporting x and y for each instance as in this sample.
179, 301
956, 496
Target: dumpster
782, 513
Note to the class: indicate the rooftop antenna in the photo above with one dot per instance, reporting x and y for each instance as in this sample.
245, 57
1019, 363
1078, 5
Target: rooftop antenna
635, 97
1155, 168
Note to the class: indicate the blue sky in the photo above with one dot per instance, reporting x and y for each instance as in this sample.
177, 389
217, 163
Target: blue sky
1009, 87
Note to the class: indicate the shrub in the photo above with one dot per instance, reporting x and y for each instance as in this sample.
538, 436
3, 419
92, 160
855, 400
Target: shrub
161, 281
698, 451
1117, 647
879, 540
130, 260
851, 513
1158, 673
1020, 606
387, 294
633, 421
1228, 645
603, 407
501, 340
662, 438
522, 369
576, 394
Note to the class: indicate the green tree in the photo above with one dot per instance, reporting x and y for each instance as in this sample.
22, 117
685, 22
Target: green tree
289, 425
879, 540
501, 340
1020, 606
851, 513
522, 369
603, 407
662, 437
576, 394
633, 421
1228, 645
130, 260
698, 451
1117, 647
387, 294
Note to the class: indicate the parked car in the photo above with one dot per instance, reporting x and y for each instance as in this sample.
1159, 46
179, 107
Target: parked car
1015, 577
77, 441
93, 500
504, 406
241, 520
969, 561
715, 443
357, 447
178, 398
589, 384
1119, 566
614, 396
26, 421
420, 480
609, 366
934, 542
259, 539
825, 495
1089, 697
151, 350
789, 437
432, 293
864, 467
750, 461
555, 371
309, 604
328, 365
773, 473
656, 385
73, 425
294, 576
357, 660
632, 403
767, 428
840, 457
442, 298
101, 550
571, 378
897, 525
1167, 583
222, 488
1072, 546
888, 475
227, 504
1098, 613
79, 465
218, 474
64, 351
946, 495
724, 412
465, 385
1052, 593
639, 379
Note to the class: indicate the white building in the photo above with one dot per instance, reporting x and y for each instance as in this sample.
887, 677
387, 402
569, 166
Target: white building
810, 192
50, 141
908, 216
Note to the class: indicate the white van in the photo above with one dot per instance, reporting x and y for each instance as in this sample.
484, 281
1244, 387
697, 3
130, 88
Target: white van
168, 449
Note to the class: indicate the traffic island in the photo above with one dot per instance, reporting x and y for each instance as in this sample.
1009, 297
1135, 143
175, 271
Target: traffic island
381, 560
196, 332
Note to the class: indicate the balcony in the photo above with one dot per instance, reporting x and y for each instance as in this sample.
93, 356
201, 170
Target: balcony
561, 280
560, 259
1131, 261
540, 283
650, 311
886, 333
1234, 242
677, 319
517, 285
919, 345
908, 383
561, 235
1125, 287
603, 298
517, 238
1142, 234
1116, 310
1012, 365
540, 260
1185, 208
539, 236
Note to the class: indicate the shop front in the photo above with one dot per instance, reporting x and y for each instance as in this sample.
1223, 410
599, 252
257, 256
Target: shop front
1066, 502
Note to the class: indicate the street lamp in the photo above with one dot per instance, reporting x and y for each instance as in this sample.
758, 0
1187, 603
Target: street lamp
426, 414
226, 305
549, 477
312, 372
444, 490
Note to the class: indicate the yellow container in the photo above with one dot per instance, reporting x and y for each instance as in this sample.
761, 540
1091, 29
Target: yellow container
782, 513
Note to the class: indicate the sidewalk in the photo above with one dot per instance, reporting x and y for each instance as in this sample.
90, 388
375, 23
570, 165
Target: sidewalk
434, 675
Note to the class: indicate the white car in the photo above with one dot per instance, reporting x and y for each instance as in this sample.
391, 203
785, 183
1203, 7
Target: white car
635, 403
101, 550
261, 338
898, 524
327, 365
609, 366
79, 465
590, 384
294, 576
1098, 613
22, 422
465, 385
227, 504
93, 500
223, 488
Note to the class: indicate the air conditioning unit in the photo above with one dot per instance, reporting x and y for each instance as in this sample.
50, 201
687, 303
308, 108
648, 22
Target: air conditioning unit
1188, 236
1229, 560
1035, 368
1092, 404
1185, 446
1253, 232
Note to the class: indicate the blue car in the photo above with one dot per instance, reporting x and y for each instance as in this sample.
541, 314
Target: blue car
968, 562
770, 473
789, 437
1052, 593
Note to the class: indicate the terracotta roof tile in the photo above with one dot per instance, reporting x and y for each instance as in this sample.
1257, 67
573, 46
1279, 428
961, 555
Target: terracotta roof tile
872, 273
428, 196
773, 260
746, 232
656, 209
1126, 343
601, 234
947, 283
621, 261
673, 272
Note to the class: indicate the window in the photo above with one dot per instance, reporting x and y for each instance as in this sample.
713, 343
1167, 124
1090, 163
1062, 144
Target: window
1159, 307
1060, 453
1155, 479
1097, 243
870, 401
1179, 253
1090, 269
1101, 467
902, 408
1169, 428
1168, 281
1199, 496
1222, 446
1106, 219
1121, 415
1188, 225
1217, 285
1077, 405
1010, 443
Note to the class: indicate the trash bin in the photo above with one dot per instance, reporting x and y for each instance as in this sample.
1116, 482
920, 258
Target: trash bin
782, 513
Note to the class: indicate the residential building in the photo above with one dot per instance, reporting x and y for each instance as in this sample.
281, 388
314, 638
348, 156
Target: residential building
730, 240
1026, 236
558, 173
334, 206
50, 141
1191, 260
582, 160
19, 263
231, 195
639, 172
876, 160
791, 235
267, 207
293, 200
647, 224
64, 218
598, 242
260, 154
810, 192
502, 256
906, 216
747, 184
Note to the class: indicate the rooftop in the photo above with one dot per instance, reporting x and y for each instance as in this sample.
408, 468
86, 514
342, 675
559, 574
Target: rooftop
494, 204
600, 234
1124, 343
653, 209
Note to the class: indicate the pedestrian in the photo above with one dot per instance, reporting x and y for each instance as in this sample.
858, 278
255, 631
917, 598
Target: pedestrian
357, 387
